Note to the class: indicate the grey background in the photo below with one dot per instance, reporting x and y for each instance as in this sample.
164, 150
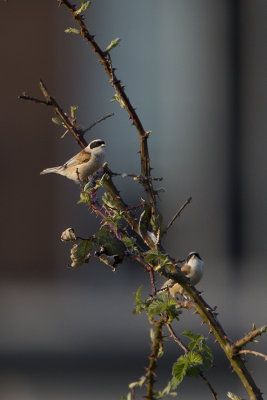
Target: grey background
196, 72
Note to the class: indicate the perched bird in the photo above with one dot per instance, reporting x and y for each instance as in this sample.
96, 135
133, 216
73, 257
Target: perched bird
83, 164
192, 268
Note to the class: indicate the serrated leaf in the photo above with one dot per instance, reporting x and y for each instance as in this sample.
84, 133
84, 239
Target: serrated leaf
198, 345
163, 304
179, 371
188, 364
85, 5
113, 43
73, 30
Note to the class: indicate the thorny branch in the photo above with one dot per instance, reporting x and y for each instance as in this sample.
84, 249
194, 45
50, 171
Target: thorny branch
105, 60
150, 374
171, 272
250, 337
255, 353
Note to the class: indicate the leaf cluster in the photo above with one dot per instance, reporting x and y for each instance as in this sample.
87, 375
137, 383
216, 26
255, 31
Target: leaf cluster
190, 363
157, 306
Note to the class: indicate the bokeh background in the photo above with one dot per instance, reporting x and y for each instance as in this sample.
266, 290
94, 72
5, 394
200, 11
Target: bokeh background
196, 72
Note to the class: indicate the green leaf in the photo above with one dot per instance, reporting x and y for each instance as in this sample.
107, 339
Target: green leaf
113, 43
58, 121
140, 305
109, 244
163, 304
85, 5
157, 259
198, 344
72, 111
107, 200
188, 364
80, 253
130, 243
191, 335
84, 198
73, 30
144, 220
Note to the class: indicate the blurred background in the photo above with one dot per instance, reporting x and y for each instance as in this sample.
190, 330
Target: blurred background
196, 73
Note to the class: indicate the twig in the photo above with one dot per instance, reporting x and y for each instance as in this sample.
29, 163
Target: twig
188, 201
176, 339
214, 394
249, 337
73, 128
97, 122
34, 99
255, 353
185, 349
135, 177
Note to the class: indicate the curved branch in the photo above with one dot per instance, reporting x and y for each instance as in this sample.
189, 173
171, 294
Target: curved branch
105, 60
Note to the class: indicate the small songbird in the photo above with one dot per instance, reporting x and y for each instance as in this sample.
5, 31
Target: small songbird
83, 164
192, 268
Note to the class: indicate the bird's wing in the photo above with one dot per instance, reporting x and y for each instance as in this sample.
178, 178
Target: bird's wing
186, 269
80, 158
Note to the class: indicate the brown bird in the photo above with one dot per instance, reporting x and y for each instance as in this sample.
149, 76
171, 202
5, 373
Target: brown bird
193, 269
83, 164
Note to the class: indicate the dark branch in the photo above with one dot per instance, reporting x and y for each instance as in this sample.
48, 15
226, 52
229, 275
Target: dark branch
97, 122
188, 201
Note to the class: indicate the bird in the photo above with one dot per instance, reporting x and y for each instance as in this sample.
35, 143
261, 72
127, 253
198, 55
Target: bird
192, 268
83, 164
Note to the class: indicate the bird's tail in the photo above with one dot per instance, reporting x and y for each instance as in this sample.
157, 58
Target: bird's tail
55, 170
